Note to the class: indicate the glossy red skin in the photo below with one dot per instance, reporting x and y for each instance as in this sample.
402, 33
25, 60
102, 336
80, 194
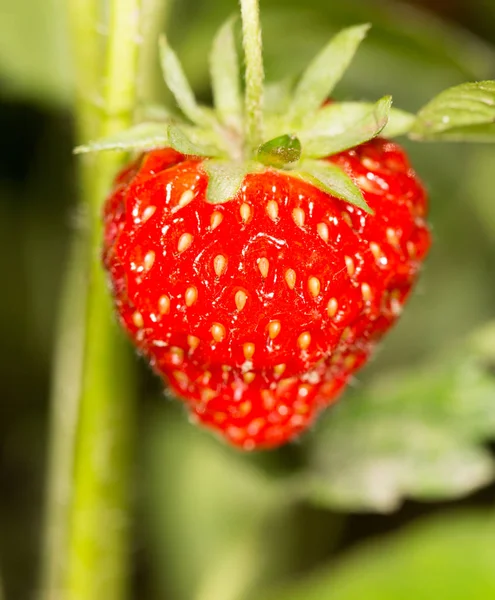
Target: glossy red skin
246, 400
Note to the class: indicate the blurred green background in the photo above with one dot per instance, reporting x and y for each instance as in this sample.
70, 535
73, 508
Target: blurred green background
391, 496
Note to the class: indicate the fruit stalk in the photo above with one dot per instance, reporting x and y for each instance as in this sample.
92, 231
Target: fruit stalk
65, 391
87, 524
251, 35
98, 526
70, 331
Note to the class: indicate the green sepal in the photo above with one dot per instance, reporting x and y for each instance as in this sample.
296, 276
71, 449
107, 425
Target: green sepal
462, 113
399, 123
336, 118
155, 112
224, 179
225, 76
362, 131
180, 141
324, 72
331, 179
277, 96
281, 152
145, 136
178, 84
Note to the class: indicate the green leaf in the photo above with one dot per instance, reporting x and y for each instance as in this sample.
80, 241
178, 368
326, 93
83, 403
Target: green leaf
336, 118
280, 152
447, 557
145, 136
331, 179
224, 180
225, 78
180, 141
417, 435
362, 131
463, 113
178, 84
324, 72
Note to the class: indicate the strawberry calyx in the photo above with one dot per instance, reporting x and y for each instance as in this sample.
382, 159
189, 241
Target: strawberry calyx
238, 136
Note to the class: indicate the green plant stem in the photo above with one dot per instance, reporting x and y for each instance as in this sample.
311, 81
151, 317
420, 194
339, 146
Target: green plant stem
70, 332
66, 387
97, 555
84, 17
91, 455
97, 562
251, 35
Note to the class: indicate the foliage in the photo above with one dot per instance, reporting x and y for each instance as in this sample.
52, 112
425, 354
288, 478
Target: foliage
422, 562
417, 435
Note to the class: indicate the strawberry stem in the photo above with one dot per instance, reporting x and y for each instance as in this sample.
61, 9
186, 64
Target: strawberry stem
97, 551
251, 35
92, 396
70, 333
65, 391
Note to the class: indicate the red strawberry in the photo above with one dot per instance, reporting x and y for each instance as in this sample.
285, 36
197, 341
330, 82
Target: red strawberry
257, 258
258, 310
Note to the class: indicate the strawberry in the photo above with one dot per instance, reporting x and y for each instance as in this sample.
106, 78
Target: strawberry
256, 254
260, 309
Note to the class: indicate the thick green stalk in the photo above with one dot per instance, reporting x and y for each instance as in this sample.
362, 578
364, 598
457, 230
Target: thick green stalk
66, 388
83, 18
97, 559
85, 543
251, 36
70, 333
97, 562
91, 450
